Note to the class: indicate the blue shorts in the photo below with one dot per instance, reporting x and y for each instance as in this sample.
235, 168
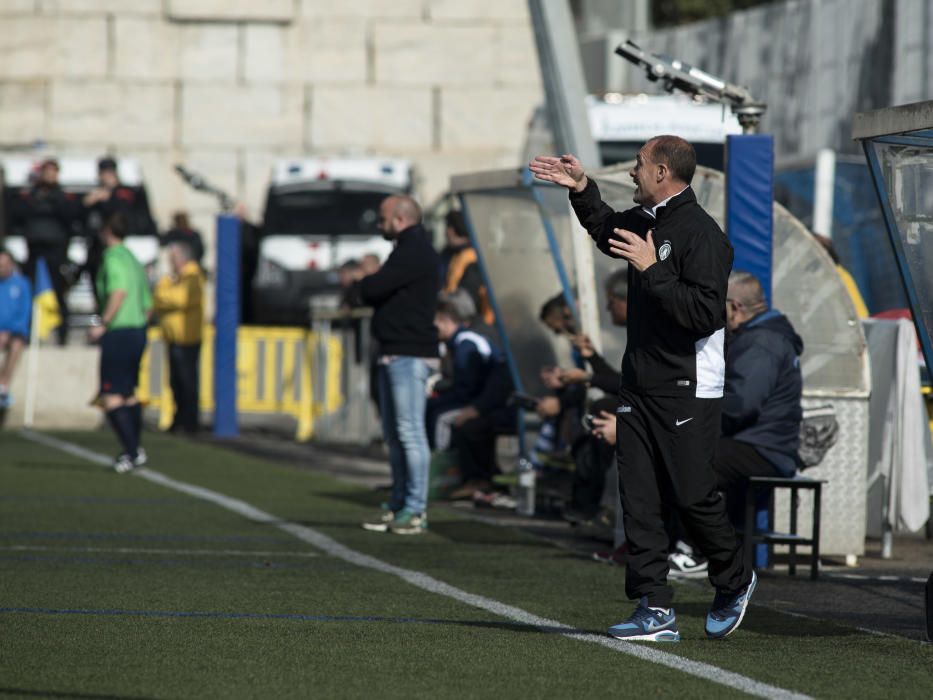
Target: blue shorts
121, 352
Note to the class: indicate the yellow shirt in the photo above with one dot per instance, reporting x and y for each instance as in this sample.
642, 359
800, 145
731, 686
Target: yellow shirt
861, 311
179, 301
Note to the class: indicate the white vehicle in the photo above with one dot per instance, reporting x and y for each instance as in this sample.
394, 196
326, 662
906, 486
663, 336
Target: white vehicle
320, 213
621, 124
78, 176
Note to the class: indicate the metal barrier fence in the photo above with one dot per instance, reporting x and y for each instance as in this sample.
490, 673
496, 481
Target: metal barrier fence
284, 371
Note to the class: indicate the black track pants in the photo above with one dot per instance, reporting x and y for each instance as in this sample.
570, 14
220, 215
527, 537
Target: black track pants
666, 447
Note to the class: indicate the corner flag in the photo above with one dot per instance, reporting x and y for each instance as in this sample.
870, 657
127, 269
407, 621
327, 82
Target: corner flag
44, 302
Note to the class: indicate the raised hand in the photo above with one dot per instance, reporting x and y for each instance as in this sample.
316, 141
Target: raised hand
565, 171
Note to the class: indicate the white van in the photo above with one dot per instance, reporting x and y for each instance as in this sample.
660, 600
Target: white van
319, 214
78, 175
621, 123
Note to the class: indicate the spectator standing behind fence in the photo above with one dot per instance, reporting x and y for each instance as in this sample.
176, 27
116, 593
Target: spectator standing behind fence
126, 302
47, 214
462, 268
673, 373
181, 230
403, 294
15, 313
178, 299
105, 200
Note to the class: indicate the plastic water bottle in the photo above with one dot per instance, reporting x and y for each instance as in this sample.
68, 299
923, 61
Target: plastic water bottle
526, 488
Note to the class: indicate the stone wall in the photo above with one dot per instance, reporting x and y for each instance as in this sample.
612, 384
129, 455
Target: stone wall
226, 86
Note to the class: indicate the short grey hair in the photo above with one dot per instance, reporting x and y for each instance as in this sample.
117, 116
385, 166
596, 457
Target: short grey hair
746, 289
461, 301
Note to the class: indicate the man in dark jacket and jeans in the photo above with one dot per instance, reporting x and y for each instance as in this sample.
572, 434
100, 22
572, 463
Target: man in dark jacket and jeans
672, 380
403, 294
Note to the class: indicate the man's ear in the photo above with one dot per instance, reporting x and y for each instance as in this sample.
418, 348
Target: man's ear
662, 171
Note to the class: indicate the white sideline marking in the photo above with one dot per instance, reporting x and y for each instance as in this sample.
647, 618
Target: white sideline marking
149, 550
433, 585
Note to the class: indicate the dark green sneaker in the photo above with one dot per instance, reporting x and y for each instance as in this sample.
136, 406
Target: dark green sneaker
408, 523
380, 523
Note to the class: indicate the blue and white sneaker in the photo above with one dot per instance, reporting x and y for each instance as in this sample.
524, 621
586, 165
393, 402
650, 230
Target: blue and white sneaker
648, 624
727, 611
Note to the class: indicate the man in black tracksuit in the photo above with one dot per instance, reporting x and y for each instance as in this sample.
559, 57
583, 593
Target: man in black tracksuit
403, 294
672, 379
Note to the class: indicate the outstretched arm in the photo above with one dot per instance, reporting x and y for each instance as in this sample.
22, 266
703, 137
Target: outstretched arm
592, 212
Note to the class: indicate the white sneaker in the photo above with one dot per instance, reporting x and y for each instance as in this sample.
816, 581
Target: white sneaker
141, 458
123, 464
687, 565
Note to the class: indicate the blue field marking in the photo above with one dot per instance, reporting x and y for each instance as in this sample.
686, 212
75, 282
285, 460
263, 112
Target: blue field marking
100, 500
265, 539
109, 561
202, 614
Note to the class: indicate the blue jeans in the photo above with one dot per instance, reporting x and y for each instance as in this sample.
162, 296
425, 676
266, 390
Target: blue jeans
402, 401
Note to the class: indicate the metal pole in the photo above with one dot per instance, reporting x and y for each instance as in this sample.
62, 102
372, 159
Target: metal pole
562, 76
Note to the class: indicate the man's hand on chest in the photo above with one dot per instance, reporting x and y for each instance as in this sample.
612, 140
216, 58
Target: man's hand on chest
640, 252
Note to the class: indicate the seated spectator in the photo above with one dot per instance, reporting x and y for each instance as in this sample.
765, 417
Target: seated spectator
593, 456
15, 314
476, 427
471, 360
565, 407
761, 411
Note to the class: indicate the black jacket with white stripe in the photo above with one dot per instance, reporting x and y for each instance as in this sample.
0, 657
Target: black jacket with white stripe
677, 307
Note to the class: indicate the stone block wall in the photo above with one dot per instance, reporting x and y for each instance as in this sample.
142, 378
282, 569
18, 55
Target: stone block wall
227, 86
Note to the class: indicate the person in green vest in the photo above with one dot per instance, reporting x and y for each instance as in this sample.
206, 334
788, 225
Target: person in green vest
126, 301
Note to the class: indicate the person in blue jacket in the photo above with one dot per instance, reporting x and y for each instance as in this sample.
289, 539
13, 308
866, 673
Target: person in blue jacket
471, 357
15, 314
761, 410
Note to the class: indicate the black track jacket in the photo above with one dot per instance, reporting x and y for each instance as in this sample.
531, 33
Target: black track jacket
404, 295
677, 307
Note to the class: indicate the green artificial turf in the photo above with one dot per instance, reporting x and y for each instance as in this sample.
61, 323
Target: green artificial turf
71, 536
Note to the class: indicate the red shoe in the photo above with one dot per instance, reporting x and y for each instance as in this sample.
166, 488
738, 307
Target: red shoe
616, 557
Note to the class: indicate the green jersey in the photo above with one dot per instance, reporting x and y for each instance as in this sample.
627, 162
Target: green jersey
121, 270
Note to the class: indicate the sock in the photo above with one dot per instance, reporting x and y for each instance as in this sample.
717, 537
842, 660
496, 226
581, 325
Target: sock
121, 419
136, 410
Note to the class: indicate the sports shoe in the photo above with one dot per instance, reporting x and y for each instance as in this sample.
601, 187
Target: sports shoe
408, 523
123, 464
648, 625
141, 458
687, 565
727, 611
380, 523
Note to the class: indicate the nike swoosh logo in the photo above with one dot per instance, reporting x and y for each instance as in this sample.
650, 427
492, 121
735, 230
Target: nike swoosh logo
679, 423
